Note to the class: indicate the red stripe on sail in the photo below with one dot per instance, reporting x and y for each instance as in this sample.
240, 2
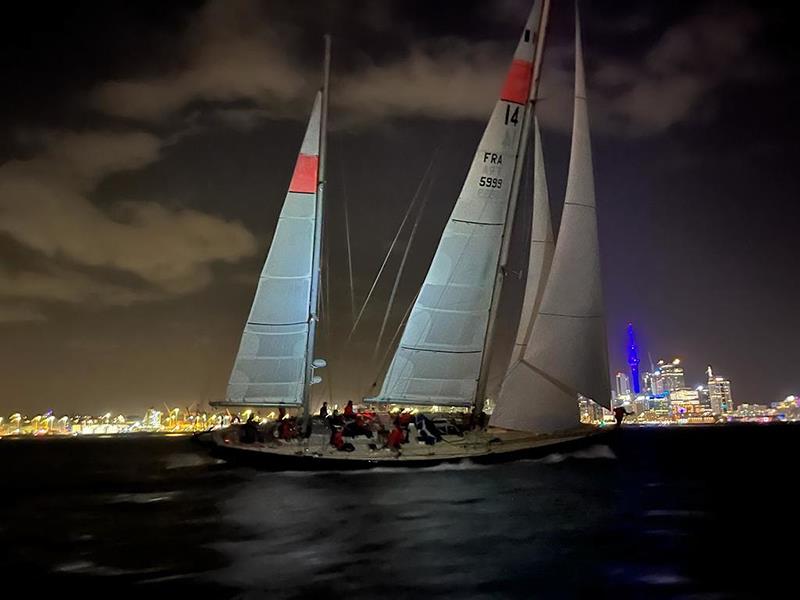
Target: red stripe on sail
304, 179
518, 82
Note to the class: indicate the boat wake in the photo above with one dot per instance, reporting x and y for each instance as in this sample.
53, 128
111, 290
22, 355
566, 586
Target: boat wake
143, 498
590, 453
189, 460
89, 568
464, 465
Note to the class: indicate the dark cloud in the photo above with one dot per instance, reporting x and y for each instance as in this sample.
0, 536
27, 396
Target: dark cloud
691, 61
19, 314
228, 53
46, 205
234, 52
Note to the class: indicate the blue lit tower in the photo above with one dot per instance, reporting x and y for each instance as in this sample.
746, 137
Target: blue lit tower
633, 359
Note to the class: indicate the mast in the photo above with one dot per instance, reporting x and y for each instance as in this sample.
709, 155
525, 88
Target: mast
315, 270
480, 392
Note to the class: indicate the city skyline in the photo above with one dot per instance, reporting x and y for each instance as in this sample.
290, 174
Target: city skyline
159, 149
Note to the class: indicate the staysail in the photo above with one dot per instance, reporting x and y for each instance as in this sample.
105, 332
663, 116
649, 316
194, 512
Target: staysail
540, 255
438, 359
566, 354
271, 365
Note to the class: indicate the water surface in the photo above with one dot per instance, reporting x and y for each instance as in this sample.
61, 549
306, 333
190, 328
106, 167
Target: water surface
690, 513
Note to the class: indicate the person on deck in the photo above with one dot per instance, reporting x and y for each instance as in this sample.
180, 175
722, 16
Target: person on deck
619, 414
287, 429
349, 411
281, 413
396, 438
337, 440
323, 412
427, 431
250, 430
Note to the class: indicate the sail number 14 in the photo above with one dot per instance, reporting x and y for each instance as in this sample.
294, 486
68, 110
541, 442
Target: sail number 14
512, 117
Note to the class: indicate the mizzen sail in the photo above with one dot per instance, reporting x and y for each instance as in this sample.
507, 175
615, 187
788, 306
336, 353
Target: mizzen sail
438, 359
271, 365
566, 354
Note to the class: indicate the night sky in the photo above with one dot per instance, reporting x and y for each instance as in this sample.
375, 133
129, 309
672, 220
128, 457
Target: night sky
146, 148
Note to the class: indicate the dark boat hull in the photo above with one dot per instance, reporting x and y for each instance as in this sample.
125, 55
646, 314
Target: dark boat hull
273, 461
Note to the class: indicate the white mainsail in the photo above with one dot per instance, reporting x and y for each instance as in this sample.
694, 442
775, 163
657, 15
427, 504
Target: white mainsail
271, 365
566, 354
438, 360
540, 255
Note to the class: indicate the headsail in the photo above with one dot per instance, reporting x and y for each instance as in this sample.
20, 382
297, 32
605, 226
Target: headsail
540, 256
566, 355
439, 356
271, 364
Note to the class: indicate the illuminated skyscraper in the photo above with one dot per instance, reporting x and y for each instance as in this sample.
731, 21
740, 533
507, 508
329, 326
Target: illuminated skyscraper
719, 392
633, 359
623, 384
668, 377
648, 382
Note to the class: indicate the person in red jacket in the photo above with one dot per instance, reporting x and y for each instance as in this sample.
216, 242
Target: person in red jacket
337, 440
349, 411
396, 437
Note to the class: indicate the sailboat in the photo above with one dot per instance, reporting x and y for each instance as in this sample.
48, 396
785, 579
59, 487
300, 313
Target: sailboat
443, 356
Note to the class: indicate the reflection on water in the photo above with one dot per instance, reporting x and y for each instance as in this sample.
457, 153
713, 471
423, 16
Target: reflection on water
653, 514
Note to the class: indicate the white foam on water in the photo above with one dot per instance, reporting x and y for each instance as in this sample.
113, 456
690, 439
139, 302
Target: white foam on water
664, 578
80, 566
464, 465
143, 498
596, 451
188, 460
551, 459
590, 453
674, 513
90, 568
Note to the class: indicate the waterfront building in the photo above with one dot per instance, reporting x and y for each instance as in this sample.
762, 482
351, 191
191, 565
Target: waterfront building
668, 377
623, 384
647, 380
719, 392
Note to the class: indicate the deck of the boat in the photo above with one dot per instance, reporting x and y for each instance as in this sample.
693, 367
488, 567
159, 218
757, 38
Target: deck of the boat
473, 445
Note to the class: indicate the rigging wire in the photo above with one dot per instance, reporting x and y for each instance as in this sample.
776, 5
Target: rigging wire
347, 237
397, 331
389, 252
401, 268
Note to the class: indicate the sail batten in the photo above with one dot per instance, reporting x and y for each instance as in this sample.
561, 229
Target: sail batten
271, 364
566, 353
438, 359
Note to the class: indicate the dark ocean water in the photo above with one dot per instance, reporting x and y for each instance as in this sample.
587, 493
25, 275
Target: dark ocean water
694, 513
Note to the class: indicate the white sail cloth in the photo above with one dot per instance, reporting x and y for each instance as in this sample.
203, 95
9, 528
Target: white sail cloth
566, 355
439, 356
270, 366
540, 254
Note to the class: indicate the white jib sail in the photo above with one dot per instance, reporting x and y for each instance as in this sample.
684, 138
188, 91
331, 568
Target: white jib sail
270, 366
439, 356
566, 355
